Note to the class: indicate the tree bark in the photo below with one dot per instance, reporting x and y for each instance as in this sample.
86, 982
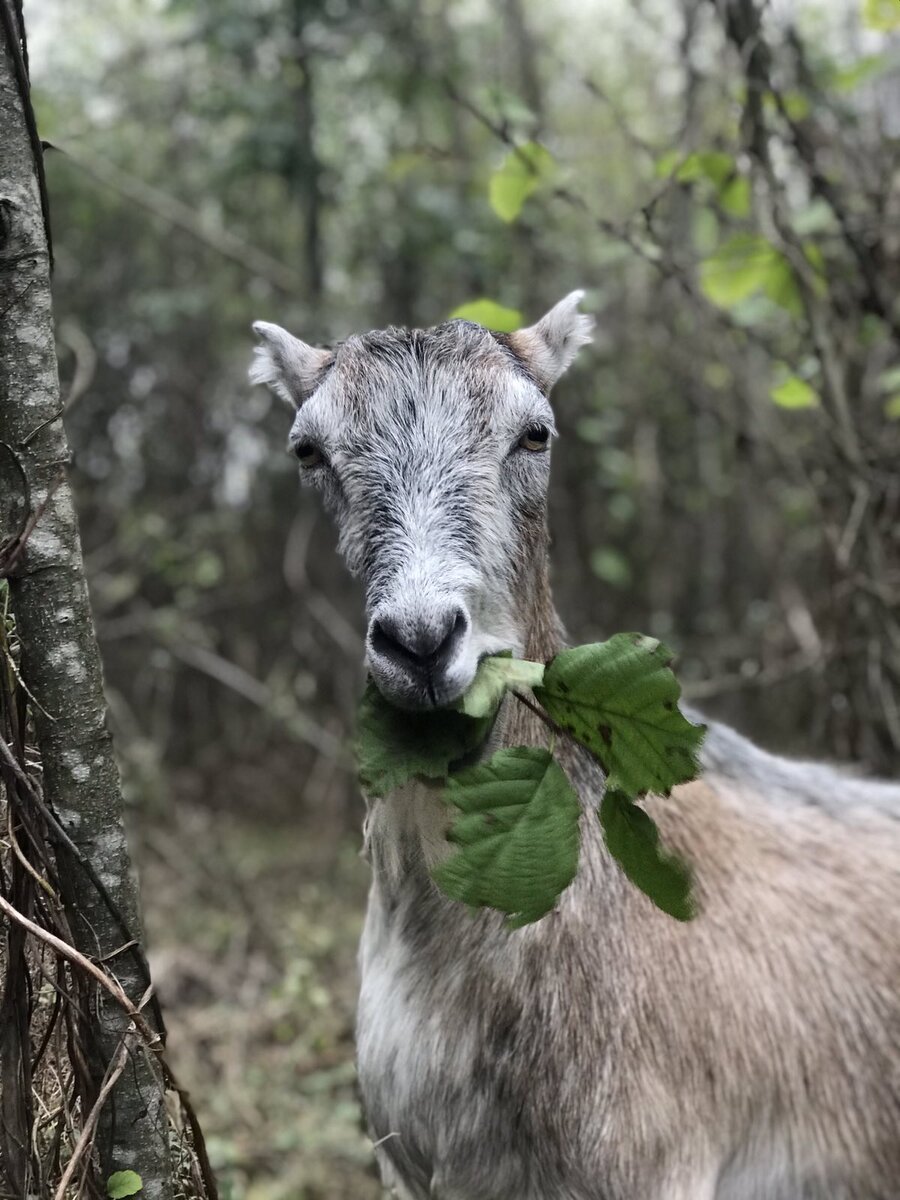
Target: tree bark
61, 662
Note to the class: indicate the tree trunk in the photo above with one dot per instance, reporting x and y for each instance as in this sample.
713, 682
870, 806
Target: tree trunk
306, 170
526, 58
61, 661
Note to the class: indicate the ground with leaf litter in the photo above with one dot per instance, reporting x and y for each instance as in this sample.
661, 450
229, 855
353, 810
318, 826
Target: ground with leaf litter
253, 935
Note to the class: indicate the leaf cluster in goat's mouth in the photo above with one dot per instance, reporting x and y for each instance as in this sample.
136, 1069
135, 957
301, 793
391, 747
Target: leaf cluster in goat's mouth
517, 816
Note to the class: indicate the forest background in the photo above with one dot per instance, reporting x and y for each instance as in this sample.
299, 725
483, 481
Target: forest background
723, 179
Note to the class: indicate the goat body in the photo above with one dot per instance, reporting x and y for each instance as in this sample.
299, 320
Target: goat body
609, 1052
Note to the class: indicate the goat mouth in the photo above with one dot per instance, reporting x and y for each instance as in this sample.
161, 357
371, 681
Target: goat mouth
419, 695
417, 690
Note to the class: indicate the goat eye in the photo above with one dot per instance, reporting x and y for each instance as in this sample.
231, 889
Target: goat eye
535, 438
308, 454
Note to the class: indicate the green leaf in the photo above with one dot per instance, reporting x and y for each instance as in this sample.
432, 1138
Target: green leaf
746, 263
123, 1183
667, 163
703, 164
794, 393
494, 676
517, 835
739, 267
521, 174
780, 285
797, 106
633, 841
490, 314
892, 407
870, 66
734, 197
610, 566
706, 164
393, 746
717, 168
883, 15
620, 699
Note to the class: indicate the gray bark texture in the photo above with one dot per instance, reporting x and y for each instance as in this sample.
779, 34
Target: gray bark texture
60, 655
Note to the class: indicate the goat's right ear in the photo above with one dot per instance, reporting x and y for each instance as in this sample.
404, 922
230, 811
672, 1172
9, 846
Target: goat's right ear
549, 347
291, 368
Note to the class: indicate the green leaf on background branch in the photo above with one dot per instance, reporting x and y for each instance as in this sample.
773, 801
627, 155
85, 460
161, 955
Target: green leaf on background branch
620, 699
865, 69
794, 392
489, 314
883, 15
633, 840
520, 175
746, 264
734, 197
123, 1183
715, 167
741, 266
517, 834
796, 105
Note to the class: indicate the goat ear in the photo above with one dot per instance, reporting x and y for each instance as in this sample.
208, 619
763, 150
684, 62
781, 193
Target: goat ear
549, 347
288, 366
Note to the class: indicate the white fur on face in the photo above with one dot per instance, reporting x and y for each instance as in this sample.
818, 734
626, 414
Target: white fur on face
423, 471
437, 503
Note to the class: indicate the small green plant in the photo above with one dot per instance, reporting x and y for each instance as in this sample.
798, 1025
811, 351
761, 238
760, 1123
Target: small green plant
122, 1184
516, 826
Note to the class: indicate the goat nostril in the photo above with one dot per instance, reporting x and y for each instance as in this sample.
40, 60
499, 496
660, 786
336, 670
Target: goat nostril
456, 630
385, 640
424, 646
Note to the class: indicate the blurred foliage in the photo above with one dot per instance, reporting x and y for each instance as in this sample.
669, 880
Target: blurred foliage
725, 184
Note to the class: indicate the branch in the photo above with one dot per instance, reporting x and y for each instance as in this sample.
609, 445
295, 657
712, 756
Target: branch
109, 985
182, 216
554, 728
235, 677
659, 258
86, 1138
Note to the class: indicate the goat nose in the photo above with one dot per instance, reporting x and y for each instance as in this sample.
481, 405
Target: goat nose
424, 645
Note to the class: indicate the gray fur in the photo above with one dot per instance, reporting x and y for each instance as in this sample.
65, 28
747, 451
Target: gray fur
607, 1052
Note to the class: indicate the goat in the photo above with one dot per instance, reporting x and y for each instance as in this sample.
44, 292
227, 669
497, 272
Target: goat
606, 1052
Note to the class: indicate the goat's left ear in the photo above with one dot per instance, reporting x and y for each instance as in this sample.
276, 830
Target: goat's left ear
549, 347
291, 368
